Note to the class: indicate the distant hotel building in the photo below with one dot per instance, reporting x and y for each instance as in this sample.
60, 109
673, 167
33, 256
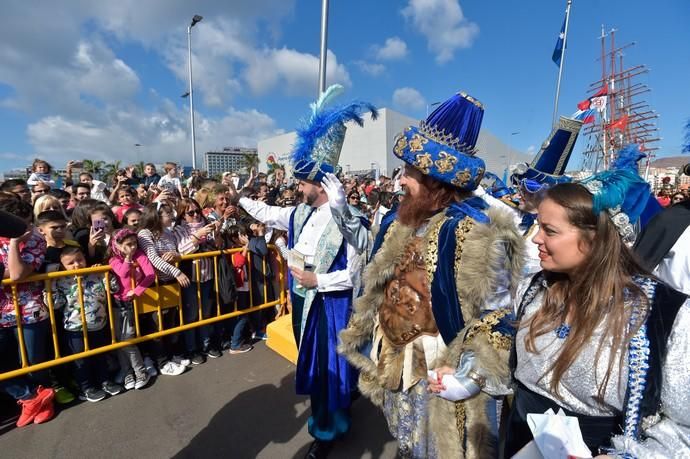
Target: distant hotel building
229, 160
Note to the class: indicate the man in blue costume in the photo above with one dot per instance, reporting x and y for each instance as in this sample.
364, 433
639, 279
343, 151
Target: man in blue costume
322, 290
431, 333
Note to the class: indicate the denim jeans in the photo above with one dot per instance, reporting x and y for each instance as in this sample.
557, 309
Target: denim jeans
190, 314
36, 343
238, 324
92, 371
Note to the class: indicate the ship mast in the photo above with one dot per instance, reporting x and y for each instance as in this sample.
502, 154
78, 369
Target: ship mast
624, 117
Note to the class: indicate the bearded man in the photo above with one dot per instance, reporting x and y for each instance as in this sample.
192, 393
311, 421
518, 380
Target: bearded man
431, 333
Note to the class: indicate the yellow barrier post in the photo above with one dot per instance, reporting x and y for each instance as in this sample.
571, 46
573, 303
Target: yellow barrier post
215, 281
20, 329
106, 280
198, 287
135, 302
51, 313
80, 298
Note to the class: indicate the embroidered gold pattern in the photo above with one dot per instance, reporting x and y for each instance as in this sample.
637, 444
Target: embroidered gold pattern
445, 163
484, 327
461, 231
432, 249
423, 162
479, 176
460, 418
400, 145
417, 142
462, 178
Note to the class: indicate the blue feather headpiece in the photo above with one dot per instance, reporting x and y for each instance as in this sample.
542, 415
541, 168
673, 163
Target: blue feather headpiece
621, 192
320, 139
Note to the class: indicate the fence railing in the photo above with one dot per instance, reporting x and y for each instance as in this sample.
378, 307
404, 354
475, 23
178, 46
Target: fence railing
157, 298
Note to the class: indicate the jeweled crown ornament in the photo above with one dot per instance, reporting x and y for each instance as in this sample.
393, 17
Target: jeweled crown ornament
443, 146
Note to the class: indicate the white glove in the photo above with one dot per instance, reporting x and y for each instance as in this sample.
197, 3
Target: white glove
456, 389
334, 190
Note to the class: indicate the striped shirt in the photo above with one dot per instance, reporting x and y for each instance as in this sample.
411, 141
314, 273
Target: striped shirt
154, 247
186, 243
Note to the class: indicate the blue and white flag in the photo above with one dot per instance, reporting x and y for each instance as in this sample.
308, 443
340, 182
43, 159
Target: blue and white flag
558, 50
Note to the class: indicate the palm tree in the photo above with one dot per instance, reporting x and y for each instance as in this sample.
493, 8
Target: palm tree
94, 167
139, 167
249, 161
110, 170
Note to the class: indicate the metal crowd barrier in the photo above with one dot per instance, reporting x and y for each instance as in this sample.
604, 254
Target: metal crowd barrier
158, 298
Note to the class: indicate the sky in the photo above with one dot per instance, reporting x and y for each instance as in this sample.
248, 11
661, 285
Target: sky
89, 80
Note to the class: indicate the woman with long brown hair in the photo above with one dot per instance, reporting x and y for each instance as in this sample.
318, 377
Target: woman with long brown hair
599, 337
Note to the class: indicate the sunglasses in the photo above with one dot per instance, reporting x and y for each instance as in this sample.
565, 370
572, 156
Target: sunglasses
354, 197
192, 213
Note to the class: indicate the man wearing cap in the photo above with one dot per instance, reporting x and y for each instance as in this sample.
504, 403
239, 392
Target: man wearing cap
431, 333
325, 266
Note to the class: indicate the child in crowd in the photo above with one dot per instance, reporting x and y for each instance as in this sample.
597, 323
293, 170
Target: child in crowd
52, 225
157, 240
171, 180
133, 273
21, 257
47, 202
151, 177
238, 326
94, 239
195, 234
88, 308
130, 219
126, 197
40, 172
261, 274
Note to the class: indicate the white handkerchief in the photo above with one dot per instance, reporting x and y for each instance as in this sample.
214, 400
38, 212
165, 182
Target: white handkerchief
454, 390
557, 435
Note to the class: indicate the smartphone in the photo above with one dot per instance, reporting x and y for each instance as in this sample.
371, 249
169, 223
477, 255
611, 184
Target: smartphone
99, 224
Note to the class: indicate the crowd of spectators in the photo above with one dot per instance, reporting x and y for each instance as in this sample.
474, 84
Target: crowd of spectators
140, 227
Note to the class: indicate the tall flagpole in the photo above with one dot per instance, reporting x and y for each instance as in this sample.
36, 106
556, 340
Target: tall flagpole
324, 46
560, 67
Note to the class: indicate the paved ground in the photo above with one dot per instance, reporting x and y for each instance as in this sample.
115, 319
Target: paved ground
238, 406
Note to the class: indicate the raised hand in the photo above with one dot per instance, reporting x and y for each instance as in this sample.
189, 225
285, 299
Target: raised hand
334, 190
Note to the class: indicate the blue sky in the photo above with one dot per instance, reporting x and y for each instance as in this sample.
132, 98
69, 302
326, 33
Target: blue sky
91, 79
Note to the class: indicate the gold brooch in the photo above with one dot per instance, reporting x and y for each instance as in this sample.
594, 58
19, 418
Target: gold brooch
400, 145
462, 178
423, 162
417, 142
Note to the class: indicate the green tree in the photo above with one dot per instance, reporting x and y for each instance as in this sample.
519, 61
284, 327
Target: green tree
139, 167
95, 168
250, 161
110, 170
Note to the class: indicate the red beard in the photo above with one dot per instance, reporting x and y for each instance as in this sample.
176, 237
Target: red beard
413, 211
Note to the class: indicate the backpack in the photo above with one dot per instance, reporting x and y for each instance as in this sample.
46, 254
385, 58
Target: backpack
227, 288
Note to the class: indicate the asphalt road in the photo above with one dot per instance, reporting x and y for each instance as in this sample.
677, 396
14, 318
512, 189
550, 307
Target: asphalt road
237, 406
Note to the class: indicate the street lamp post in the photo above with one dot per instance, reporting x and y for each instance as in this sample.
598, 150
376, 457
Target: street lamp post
195, 19
428, 106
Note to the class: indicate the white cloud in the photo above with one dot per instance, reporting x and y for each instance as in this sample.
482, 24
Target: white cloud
443, 24
393, 49
293, 71
371, 68
408, 98
164, 134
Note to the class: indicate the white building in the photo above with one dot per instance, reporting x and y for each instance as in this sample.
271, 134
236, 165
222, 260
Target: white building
228, 160
371, 147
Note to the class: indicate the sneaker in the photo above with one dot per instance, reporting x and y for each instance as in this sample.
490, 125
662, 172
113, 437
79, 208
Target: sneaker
92, 395
212, 353
225, 345
184, 361
261, 335
62, 395
197, 359
30, 408
130, 381
46, 412
150, 367
241, 350
142, 381
111, 388
171, 368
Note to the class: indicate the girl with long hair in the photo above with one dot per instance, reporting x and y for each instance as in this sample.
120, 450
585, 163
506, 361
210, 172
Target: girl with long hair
598, 336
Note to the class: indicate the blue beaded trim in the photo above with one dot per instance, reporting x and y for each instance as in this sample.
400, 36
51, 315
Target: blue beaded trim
562, 331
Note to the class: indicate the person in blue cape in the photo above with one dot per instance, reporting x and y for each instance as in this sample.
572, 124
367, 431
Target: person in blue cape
327, 242
431, 332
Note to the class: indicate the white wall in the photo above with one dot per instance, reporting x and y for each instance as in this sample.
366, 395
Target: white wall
374, 144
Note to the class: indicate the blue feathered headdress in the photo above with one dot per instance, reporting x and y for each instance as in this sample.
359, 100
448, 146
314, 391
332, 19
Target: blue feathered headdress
320, 138
621, 191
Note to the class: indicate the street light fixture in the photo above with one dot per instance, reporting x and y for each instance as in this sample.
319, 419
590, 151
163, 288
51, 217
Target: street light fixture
195, 19
433, 104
